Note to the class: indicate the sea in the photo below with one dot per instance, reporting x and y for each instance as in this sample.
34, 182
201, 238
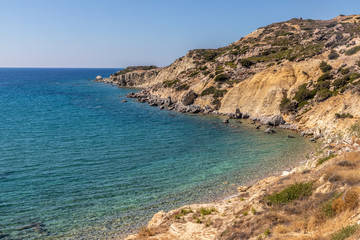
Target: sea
78, 163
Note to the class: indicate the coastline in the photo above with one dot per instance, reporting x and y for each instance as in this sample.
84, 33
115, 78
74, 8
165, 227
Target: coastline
251, 194
246, 120
165, 225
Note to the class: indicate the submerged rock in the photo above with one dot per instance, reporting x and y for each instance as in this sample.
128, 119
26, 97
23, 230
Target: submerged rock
270, 131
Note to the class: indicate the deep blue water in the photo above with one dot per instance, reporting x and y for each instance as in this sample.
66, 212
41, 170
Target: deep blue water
76, 159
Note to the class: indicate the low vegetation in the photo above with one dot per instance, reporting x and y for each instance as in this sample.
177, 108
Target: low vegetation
343, 115
324, 159
352, 51
325, 67
291, 193
344, 232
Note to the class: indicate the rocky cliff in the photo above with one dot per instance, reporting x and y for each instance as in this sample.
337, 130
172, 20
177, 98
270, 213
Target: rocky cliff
306, 70
303, 71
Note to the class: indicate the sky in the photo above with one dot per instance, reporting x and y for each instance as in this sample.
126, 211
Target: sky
114, 34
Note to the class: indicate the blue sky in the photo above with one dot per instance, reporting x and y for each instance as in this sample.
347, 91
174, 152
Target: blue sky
110, 33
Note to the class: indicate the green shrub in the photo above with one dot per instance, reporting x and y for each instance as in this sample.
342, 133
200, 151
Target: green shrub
352, 51
325, 67
246, 62
325, 76
287, 105
345, 232
193, 74
333, 55
220, 78
245, 213
210, 55
324, 159
304, 94
206, 211
323, 94
169, 83
219, 70
231, 64
267, 232
183, 212
322, 85
344, 71
302, 104
343, 115
219, 93
253, 210
207, 91
354, 76
340, 82
217, 103
182, 87
291, 193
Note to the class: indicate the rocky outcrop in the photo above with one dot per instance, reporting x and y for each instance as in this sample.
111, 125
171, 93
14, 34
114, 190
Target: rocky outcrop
137, 78
189, 98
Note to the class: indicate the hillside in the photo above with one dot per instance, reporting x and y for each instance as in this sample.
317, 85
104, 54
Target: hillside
298, 68
306, 72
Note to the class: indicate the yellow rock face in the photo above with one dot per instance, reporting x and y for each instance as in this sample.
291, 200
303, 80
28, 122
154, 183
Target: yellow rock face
261, 95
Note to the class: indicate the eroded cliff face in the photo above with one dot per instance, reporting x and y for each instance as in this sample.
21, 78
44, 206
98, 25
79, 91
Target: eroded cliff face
260, 72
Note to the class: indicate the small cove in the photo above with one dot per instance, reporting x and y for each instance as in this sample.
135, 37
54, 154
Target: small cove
79, 161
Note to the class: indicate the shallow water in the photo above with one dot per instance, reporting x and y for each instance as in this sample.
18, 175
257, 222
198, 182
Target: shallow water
79, 161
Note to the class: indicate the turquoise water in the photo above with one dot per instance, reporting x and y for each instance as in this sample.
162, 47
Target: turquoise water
77, 160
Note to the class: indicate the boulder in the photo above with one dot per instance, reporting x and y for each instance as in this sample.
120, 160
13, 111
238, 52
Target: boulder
238, 114
226, 120
98, 78
167, 101
194, 109
269, 131
245, 115
273, 120
189, 98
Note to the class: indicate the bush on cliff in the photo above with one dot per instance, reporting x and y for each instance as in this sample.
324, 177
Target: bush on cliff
352, 51
219, 93
207, 91
304, 94
246, 62
325, 67
291, 193
220, 78
333, 55
323, 94
325, 76
287, 106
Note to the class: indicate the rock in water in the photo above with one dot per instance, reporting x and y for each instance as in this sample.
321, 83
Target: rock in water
238, 114
98, 78
189, 98
226, 121
269, 131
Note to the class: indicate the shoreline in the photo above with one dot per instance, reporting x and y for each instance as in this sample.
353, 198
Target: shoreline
258, 187
163, 104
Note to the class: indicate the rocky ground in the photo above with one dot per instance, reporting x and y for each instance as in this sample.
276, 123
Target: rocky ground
317, 200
